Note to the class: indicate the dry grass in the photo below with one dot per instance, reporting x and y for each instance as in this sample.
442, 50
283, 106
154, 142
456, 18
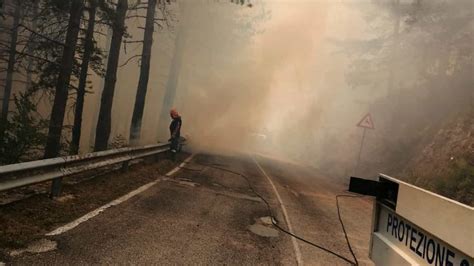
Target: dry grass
446, 165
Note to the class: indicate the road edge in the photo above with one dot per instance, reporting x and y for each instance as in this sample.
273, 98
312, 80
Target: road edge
299, 259
92, 214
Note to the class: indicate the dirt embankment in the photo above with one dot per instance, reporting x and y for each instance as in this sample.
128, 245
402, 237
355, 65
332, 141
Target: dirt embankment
446, 164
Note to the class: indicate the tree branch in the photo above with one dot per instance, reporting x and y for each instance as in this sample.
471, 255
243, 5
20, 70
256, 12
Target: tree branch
41, 35
36, 57
129, 59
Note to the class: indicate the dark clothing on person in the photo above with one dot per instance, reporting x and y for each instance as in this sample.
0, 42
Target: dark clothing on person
175, 132
174, 146
175, 127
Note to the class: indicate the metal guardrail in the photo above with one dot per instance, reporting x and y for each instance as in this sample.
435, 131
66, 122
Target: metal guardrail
28, 173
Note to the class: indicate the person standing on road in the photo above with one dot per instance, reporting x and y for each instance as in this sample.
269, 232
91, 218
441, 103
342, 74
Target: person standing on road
175, 131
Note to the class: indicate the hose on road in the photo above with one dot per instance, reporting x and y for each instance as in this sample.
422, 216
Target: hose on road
342, 223
275, 221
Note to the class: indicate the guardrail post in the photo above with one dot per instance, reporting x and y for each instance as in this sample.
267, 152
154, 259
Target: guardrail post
56, 188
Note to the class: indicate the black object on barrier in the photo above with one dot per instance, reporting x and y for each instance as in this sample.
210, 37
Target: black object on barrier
385, 190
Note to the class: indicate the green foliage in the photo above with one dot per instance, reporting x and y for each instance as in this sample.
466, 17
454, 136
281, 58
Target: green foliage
52, 22
23, 134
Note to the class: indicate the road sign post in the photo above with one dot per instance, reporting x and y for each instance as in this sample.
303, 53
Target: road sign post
366, 123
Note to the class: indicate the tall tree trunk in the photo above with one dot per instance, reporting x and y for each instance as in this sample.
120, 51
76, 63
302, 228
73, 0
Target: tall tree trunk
135, 127
104, 121
31, 46
11, 62
81, 90
61, 92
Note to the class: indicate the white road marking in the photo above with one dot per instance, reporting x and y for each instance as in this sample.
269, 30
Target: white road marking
299, 259
172, 172
97, 211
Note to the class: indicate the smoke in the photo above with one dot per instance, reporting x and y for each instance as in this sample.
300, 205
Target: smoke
264, 89
293, 78
239, 83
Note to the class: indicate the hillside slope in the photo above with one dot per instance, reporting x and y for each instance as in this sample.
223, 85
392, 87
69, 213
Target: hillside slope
446, 165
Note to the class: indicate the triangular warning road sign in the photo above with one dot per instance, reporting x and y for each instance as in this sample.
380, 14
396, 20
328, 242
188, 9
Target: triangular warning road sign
367, 122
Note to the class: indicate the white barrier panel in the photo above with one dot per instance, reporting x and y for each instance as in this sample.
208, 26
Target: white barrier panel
413, 226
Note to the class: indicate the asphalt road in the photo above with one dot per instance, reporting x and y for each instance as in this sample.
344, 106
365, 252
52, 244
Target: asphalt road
204, 215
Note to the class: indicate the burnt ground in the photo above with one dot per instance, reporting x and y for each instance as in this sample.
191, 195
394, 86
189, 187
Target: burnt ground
35, 214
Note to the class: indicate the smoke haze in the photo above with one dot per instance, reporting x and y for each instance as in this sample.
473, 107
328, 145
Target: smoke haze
293, 79
303, 73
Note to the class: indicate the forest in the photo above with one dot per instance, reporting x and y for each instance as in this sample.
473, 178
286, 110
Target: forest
408, 62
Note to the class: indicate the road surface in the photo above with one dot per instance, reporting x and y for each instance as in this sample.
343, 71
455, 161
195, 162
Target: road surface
205, 215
